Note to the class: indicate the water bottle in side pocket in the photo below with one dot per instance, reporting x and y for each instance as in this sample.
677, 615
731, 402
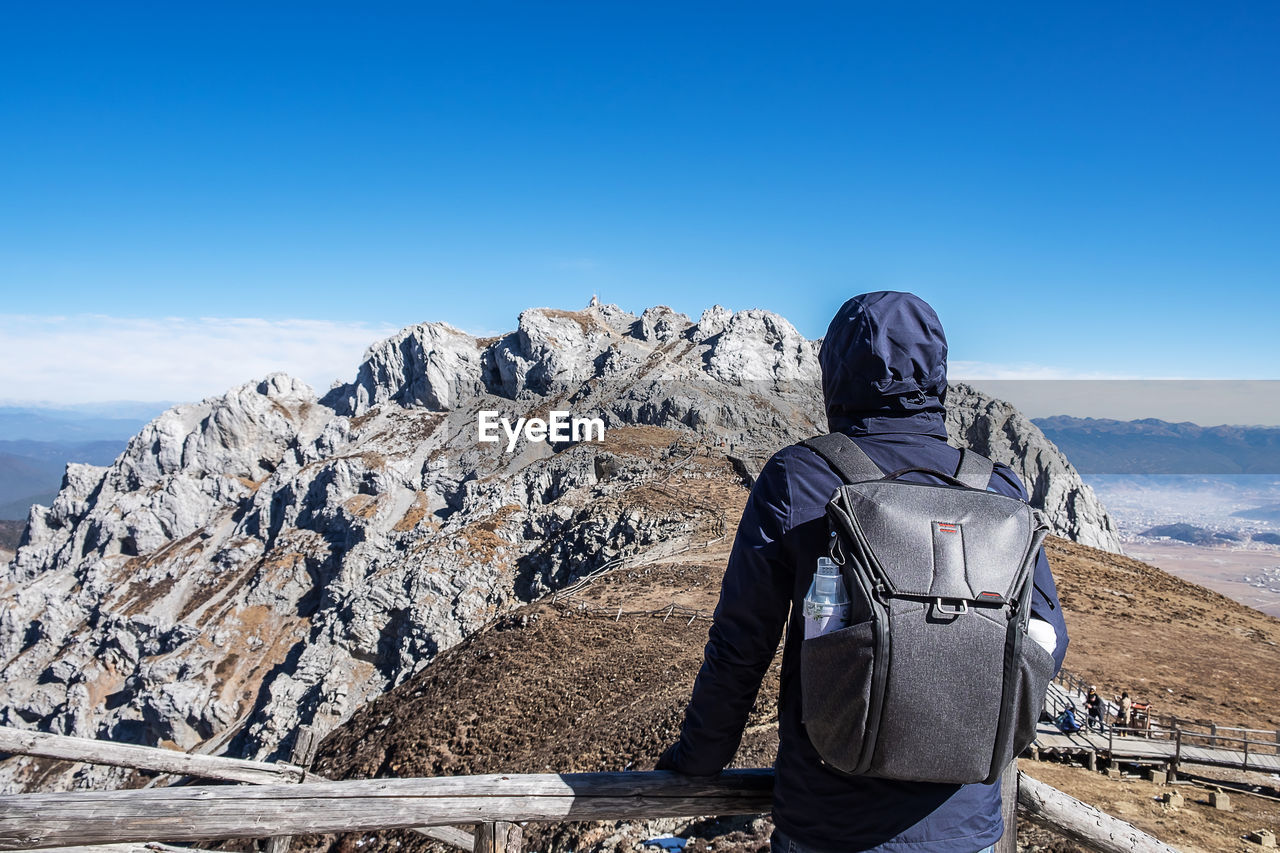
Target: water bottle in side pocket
826, 605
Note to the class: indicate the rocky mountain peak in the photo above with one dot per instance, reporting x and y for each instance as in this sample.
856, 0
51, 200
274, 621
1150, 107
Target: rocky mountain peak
426, 365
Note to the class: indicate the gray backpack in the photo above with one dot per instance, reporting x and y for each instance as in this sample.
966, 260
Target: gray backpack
934, 679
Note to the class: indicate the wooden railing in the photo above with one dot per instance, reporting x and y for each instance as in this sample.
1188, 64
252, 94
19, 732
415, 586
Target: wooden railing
45, 745
1267, 744
1213, 736
31, 821
496, 804
1180, 738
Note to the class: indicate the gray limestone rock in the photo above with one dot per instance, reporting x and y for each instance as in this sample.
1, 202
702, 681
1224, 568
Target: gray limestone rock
758, 345
427, 365
660, 324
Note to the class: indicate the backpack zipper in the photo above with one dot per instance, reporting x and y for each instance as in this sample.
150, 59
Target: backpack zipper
880, 667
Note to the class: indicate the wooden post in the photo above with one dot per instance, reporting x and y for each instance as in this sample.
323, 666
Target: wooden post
1213, 731
305, 743
1177, 754
449, 835
499, 837
1008, 842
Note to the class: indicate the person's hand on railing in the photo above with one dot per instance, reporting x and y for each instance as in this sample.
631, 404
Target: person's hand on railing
666, 761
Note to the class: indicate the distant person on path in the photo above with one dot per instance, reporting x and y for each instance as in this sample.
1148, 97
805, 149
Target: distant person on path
884, 384
1093, 704
1125, 715
1067, 722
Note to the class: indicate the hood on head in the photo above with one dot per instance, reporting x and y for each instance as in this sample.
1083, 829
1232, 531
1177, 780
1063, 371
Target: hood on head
884, 366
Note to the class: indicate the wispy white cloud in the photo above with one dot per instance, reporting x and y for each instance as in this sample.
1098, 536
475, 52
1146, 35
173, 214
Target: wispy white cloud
91, 358
968, 370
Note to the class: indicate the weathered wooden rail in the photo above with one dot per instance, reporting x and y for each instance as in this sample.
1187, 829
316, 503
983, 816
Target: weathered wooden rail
149, 847
46, 745
35, 821
182, 764
286, 799
30, 821
1090, 826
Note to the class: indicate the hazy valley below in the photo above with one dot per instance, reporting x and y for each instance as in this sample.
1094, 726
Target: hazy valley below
1214, 526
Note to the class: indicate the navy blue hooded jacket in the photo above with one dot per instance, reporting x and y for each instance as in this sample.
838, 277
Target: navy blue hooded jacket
884, 363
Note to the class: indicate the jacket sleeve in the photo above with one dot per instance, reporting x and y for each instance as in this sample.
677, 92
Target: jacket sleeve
1044, 593
755, 600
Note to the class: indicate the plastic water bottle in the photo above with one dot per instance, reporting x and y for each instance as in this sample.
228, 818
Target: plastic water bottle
826, 606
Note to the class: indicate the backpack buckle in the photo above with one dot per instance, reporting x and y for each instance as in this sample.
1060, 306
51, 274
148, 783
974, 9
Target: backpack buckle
960, 607
834, 551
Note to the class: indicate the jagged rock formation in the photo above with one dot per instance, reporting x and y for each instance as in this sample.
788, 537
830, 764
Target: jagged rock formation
266, 558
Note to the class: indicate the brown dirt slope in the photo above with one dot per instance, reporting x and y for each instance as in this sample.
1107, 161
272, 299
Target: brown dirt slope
554, 688
547, 689
1193, 827
1188, 650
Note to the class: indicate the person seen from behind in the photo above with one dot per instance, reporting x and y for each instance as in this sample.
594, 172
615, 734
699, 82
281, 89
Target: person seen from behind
884, 385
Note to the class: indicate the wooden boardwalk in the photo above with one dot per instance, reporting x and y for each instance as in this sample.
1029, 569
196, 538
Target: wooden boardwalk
1151, 750
1156, 746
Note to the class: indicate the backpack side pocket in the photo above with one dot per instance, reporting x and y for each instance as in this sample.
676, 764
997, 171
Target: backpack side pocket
835, 683
1035, 671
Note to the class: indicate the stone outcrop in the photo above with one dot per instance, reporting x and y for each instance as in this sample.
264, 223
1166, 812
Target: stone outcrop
266, 558
427, 365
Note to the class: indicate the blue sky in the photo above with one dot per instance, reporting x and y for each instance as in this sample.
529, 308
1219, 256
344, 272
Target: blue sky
194, 192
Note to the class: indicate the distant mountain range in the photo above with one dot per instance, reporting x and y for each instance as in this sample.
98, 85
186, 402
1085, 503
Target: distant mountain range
37, 442
10, 535
97, 422
1193, 534
31, 471
1270, 512
1150, 446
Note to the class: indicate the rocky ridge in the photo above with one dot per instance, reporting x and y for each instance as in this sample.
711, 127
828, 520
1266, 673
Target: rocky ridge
269, 557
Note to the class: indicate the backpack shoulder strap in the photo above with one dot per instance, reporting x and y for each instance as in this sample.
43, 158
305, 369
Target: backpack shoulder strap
975, 469
844, 455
